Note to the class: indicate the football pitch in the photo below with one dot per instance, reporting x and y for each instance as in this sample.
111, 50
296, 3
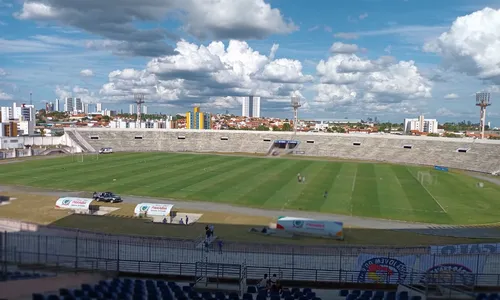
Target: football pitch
386, 191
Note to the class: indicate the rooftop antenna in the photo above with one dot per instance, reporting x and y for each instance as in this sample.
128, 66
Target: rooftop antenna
483, 101
296, 105
139, 100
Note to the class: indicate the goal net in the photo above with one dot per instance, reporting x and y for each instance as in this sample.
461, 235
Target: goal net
426, 178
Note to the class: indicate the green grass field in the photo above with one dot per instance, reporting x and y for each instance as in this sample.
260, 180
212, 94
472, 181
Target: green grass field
363, 189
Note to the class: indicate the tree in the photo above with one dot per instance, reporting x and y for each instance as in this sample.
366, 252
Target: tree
262, 128
287, 127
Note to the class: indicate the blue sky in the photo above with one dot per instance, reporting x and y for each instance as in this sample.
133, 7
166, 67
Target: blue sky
353, 59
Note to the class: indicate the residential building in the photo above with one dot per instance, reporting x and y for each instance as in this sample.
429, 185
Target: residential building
420, 124
98, 107
6, 114
198, 120
251, 107
68, 105
86, 107
49, 107
131, 109
57, 106
78, 105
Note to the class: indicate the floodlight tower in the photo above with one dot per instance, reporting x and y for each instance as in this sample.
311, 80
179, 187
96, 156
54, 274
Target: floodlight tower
295, 105
483, 101
139, 100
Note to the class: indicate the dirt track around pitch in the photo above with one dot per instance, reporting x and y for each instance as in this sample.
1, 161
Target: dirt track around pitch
486, 231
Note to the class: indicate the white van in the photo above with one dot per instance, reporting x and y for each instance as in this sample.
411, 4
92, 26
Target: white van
105, 150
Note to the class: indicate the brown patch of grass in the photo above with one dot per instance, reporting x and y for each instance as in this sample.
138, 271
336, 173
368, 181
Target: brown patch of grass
29, 208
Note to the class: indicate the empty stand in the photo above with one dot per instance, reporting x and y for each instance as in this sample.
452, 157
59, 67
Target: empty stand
128, 288
481, 155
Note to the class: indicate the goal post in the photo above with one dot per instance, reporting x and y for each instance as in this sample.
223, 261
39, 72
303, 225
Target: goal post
426, 178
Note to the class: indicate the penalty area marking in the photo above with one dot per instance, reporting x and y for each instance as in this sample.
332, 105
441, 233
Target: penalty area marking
427, 190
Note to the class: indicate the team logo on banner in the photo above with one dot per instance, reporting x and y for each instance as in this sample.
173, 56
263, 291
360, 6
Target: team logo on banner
144, 208
298, 224
66, 202
449, 274
382, 270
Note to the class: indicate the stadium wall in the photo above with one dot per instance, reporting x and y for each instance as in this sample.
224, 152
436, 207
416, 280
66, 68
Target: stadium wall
480, 155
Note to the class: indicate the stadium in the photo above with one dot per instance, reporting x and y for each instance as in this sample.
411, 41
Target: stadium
420, 215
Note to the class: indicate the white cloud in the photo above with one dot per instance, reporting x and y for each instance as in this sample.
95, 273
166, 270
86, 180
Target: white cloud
86, 73
445, 112
221, 19
209, 74
472, 45
339, 47
86, 95
451, 96
370, 84
346, 35
3, 72
5, 96
115, 21
363, 16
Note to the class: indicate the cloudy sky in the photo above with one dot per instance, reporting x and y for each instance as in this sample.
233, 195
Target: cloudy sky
360, 58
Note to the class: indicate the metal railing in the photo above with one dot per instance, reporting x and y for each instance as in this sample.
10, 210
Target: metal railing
161, 256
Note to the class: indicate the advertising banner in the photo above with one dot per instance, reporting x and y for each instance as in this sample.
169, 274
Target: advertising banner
73, 203
451, 270
311, 227
153, 209
441, 168
384, 270
487, 248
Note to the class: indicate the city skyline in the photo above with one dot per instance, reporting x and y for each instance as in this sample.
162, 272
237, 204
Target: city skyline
365, 59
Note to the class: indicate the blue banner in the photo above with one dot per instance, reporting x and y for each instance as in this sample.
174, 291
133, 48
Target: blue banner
440, 168
452, 270
384, 270
285, 142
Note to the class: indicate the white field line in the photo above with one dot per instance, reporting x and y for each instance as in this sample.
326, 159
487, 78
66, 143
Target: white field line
435, 200
352, 190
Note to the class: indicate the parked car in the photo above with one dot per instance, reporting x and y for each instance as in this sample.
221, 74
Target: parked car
105, 150
107, 197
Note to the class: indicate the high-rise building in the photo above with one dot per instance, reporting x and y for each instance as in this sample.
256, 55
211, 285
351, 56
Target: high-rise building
57, 106
198, 119
68, 105
86, 107
420, 124
24, 112
98, 107
144, 109
131, 109
6, 114
251, 107
49, 107
78, 105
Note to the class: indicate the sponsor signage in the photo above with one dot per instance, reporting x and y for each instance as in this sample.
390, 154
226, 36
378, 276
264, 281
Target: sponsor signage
466, 249
311, 227
384, 270
73, 203
441, 168
153, 209
451, 270
285, 142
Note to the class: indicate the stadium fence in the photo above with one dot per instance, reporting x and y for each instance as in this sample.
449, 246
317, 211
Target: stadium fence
162, 257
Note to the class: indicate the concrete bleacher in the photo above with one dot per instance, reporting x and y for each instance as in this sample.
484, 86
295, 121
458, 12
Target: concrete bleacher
480, 155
